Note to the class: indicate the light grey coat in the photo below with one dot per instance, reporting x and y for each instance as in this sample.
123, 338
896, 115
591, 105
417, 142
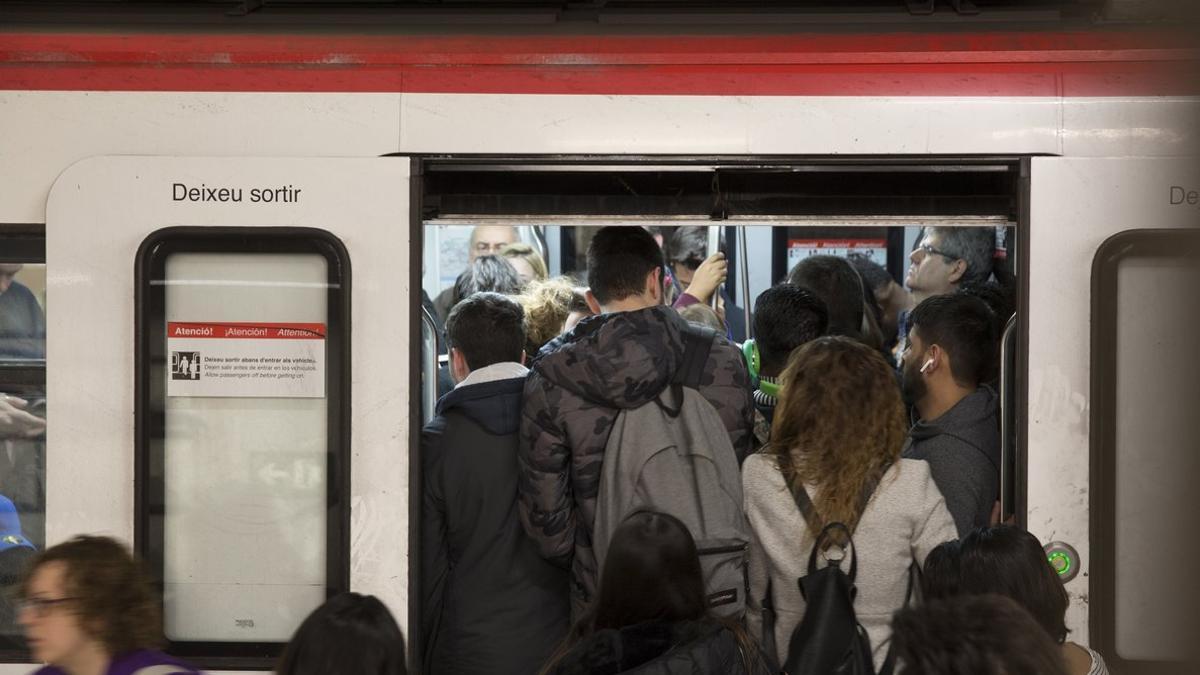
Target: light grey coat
905, 519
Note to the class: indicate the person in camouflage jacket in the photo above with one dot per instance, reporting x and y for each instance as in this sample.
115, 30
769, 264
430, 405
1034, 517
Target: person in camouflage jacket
621, 359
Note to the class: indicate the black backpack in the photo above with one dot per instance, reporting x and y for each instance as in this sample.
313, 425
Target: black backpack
829, 640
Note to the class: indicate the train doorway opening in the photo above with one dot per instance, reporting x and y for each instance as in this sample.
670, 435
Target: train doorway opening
766, 214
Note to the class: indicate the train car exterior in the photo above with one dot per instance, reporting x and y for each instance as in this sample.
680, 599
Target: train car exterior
106, 140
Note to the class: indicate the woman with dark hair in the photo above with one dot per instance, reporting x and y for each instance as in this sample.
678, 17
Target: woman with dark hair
351, 634
1009, 561
650, 615
87, 608
839, 427
976, 634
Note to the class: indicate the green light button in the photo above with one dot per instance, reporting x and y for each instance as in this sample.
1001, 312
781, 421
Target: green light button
1063, 558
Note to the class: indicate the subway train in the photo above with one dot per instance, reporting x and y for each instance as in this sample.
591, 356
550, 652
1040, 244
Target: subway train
273, 197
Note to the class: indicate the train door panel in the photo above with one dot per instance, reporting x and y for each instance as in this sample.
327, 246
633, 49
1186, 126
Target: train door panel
1105, 463
287, 281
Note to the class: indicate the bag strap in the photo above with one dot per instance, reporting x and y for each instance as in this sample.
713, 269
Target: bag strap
768, 624
827, 534
697, 344
809, 512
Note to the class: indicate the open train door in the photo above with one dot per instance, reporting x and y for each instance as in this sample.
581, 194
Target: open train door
1111, 396
229, 364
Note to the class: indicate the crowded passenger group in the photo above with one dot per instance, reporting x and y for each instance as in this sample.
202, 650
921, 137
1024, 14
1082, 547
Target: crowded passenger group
617, 480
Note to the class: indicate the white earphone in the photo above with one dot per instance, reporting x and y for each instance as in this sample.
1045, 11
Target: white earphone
926, 366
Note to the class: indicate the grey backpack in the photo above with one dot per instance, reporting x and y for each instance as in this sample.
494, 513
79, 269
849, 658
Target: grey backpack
673, 455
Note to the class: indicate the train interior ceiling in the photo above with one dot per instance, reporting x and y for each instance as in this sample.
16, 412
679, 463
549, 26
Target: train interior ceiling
765, 216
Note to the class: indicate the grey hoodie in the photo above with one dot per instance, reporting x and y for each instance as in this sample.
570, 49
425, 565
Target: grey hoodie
963, 450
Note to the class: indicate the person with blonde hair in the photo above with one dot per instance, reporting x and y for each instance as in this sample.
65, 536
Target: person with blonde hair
839, 428
547, 304
87, 608
528, 262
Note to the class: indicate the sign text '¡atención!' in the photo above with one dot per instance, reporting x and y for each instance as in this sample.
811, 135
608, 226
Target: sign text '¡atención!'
286, 194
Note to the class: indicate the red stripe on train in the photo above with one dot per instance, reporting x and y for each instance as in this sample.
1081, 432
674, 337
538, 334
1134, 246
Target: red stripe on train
988, 64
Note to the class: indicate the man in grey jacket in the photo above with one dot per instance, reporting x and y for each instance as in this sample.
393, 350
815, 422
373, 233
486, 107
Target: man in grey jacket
951, 349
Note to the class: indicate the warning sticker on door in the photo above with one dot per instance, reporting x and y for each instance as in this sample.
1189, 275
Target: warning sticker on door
272, 360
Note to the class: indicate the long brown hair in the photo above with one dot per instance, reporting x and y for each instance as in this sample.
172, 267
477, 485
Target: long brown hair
838, 424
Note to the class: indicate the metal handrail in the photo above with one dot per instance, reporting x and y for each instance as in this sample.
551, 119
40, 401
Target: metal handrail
744, 266
1005, 432
539, 241
429, 360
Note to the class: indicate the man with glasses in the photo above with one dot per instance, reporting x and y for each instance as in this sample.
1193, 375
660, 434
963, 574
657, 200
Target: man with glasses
948, 257
485, 240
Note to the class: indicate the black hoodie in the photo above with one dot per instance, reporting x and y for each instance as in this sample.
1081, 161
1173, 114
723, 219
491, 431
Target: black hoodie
963, 450
490, 603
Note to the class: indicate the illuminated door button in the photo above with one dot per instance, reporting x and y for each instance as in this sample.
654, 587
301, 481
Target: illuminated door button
1064, 559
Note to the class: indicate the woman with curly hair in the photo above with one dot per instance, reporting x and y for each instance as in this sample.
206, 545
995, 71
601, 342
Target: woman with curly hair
839, 427
88, 609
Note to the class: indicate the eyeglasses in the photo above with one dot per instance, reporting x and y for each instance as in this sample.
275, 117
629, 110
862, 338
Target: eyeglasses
929, 250
41, 606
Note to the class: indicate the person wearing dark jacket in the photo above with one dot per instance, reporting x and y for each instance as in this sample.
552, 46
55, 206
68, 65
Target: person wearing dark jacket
490, 603
621, 359
785, 317
651, 615
951, 350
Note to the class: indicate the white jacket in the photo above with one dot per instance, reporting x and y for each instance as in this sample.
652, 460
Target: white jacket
905, 519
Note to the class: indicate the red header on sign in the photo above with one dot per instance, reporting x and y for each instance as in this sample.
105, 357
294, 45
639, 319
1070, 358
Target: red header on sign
247, 331
837, 243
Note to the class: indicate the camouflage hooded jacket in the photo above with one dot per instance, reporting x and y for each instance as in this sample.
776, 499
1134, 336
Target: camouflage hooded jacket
576, 388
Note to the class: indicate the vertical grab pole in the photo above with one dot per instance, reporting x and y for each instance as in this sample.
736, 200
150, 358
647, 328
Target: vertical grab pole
429, 359
539, 242
744, 266
714, 245
1005, 431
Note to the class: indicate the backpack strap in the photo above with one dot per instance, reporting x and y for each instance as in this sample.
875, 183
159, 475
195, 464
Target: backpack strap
697, 344
809, 512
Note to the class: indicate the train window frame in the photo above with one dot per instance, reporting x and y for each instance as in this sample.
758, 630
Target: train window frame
28, 246
427, 170
150, 398
22, 243
1102, 479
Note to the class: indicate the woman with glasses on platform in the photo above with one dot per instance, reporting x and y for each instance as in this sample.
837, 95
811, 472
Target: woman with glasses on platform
87, 608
